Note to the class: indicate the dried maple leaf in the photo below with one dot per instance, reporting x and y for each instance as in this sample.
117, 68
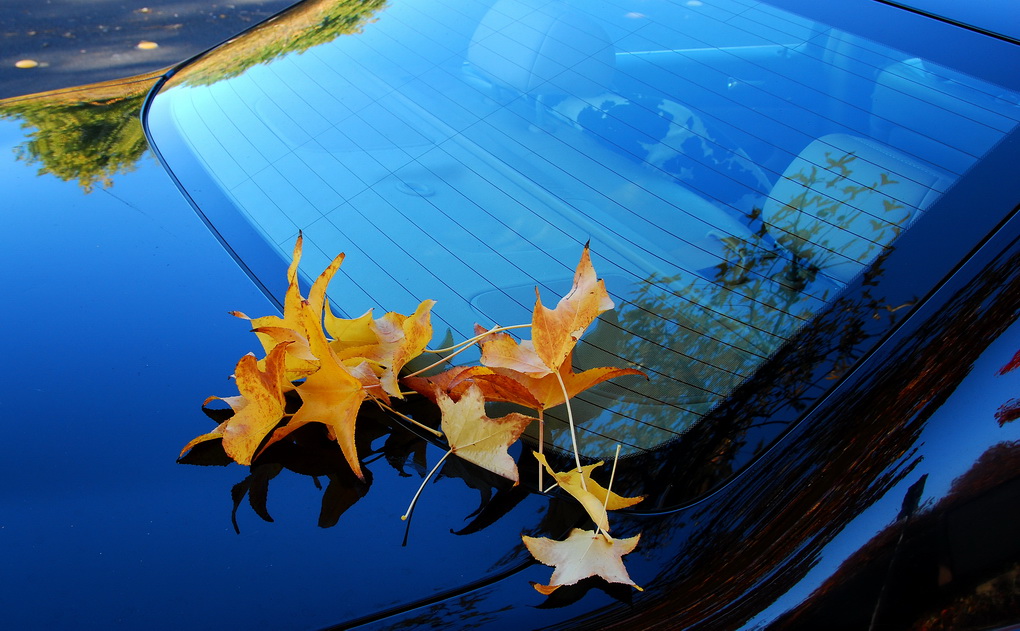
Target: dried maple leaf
363, 372
500, 350
548, 391
398, 340
257, 410
556, 331
475, 437
501, 384
456, 381
581, 555
349, 334
595, 499
331, 395
272, 330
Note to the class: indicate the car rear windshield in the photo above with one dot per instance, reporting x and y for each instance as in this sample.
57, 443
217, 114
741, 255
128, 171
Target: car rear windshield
734, 167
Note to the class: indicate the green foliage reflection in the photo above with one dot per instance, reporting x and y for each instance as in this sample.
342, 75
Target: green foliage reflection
91, 134
304, 26
87, 135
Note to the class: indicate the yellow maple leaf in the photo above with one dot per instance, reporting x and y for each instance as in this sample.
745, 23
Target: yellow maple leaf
595, 499
398, 340
257, 410
477, 438
331, 395
582, 554
291, 327
349, 334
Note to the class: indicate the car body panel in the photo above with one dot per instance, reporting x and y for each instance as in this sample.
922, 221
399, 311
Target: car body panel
892, 504
119, 302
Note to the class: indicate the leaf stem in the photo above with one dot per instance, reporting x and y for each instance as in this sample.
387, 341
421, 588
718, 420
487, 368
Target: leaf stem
609, 489
463, 346
414, 499
573, 432
541, 445
469, 342
407, 418
437, 363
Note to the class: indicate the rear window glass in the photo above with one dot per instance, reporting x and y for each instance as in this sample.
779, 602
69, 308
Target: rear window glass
734, 167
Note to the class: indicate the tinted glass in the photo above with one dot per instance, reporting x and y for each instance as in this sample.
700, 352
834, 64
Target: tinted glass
734, 166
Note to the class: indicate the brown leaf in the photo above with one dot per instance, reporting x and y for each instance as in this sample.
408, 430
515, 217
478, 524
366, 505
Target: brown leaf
475, 437
584, 553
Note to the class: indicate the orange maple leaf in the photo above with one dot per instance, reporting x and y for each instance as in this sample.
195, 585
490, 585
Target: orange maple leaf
554, 332
257, 410
500, 350
366, 374
503, 384
477, 438
547, 389
582, 554
456, 381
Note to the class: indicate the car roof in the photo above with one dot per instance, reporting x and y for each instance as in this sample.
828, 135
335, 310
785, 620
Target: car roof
996, 17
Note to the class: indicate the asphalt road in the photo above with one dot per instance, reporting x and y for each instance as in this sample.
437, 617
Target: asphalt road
51, 44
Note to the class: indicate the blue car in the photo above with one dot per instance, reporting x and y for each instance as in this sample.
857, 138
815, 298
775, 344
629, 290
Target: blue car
803, 218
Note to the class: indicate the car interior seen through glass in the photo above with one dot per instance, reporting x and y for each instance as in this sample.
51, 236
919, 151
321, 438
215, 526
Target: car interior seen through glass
734, 167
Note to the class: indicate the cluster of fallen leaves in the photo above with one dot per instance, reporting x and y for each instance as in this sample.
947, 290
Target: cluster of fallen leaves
336, 365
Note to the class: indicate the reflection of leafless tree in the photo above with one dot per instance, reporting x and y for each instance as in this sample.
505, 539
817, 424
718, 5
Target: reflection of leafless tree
727, 347
799, 370
929, 588
726, 559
